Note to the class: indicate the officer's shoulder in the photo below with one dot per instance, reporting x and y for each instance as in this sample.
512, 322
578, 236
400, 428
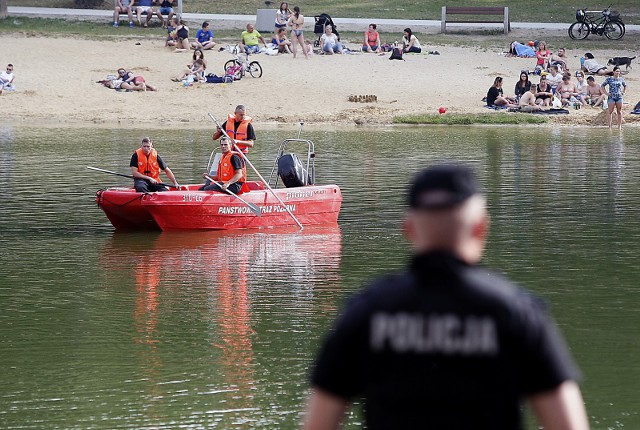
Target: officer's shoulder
498, 287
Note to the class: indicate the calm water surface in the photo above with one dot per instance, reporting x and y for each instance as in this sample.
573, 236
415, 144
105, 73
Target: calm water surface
218, 330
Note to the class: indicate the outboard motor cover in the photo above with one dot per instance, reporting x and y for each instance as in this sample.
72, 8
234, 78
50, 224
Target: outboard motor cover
292, 171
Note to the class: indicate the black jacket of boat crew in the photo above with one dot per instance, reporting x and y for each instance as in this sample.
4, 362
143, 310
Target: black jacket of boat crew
445, 345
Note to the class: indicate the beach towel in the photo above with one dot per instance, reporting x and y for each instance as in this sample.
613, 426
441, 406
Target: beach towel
521, 50
550, 112
494, 107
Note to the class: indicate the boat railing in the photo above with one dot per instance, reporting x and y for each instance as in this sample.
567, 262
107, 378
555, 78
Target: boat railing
310, 170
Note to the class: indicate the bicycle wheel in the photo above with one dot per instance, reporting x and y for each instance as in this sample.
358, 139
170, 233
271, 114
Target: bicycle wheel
237, 69
579, 30
614, 30
255, 69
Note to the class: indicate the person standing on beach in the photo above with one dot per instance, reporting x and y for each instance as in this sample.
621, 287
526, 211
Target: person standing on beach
239, 128
296, 22
615, 95
447, 344
146, 166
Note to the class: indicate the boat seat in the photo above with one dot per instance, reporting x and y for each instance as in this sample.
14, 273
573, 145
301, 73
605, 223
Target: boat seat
255, 185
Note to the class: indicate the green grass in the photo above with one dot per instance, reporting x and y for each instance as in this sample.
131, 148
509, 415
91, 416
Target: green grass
484, 40
520, 10
467, 119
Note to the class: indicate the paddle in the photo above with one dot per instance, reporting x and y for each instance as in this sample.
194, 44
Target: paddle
127, 176
246, 160
255, 209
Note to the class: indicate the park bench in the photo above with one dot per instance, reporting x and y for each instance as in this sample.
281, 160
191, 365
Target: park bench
177, 10
476, 11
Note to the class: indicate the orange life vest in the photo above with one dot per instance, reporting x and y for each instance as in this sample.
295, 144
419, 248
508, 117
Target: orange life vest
242, 132
225, 168
149, 165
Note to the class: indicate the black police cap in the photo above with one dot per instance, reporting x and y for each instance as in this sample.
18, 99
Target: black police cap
443, 186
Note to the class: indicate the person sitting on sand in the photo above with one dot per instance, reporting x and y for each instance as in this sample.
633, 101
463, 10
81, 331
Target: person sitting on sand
249, 40
329, 42
194, 74
543, 93
595, 94
372, 40
7, 78
560, 59
281, 42
182, 31
123, 6
567, 90
523, 84
542, 55
590, 65
204, 38
581, 86
554, 78
527, 102
495, 96
410, 42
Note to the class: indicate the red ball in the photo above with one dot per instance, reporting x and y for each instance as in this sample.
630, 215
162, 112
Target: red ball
442, 110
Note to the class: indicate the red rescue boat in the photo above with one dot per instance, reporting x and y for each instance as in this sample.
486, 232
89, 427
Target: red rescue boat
300, 202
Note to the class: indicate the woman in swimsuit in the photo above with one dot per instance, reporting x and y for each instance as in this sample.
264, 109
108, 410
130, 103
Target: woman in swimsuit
296, 22
183, 37
544, 94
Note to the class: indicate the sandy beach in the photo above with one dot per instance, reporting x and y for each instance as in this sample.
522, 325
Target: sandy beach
56, 84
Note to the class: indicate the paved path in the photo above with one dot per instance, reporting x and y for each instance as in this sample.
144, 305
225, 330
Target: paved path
239, 21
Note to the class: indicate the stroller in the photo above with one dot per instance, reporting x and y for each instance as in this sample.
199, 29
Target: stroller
322, 21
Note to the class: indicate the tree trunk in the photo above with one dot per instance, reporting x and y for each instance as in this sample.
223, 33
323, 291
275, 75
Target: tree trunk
3, 9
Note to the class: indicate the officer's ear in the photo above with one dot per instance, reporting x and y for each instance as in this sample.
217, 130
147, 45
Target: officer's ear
409, 227
481, 227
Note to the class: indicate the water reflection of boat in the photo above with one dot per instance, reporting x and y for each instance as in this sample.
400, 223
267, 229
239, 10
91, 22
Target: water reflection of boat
190, 209
213, 289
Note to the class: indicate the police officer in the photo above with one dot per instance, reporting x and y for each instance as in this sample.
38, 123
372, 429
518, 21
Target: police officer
446, 344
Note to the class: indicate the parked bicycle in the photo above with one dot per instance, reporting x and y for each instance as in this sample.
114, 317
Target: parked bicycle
240, 65
609, 24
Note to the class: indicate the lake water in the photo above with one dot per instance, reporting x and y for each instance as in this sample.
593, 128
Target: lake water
218, 330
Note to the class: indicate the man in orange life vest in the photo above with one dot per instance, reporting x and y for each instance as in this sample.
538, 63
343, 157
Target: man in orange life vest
232, 173
146, 166
238, 126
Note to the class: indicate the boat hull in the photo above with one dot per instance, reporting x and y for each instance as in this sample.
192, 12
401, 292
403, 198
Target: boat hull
123, 208
190, 209
200, 210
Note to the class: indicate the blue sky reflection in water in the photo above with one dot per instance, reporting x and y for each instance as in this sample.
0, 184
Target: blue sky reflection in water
101, 330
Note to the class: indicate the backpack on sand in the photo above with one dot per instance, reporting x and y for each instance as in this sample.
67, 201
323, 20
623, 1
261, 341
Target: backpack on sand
396, 53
